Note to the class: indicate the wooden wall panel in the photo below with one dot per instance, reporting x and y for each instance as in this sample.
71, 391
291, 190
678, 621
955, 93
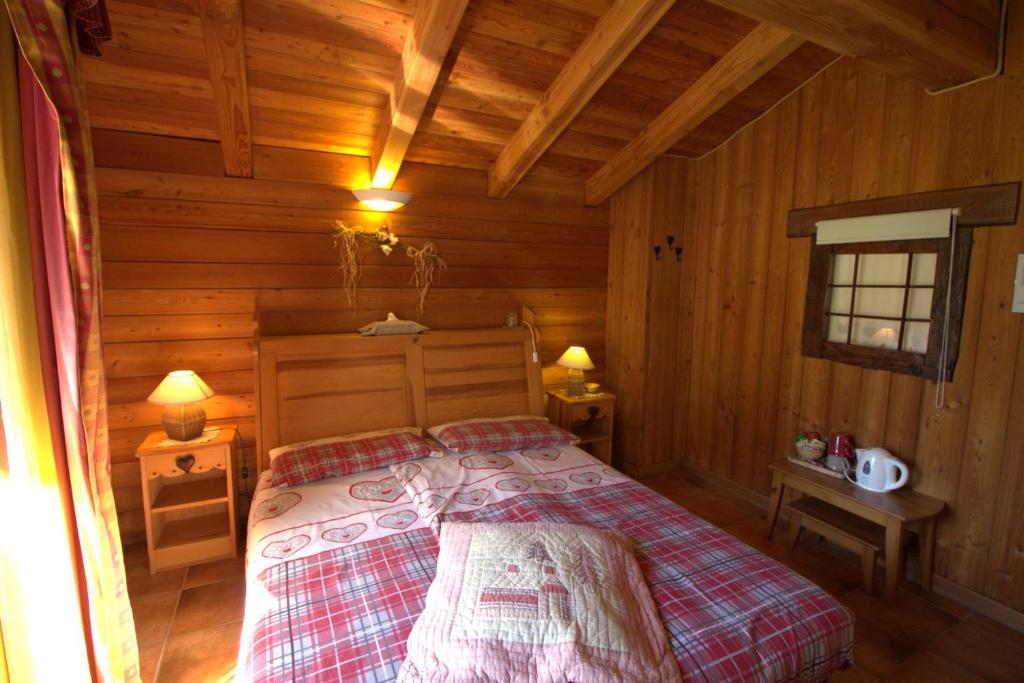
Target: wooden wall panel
642, 370
190, 257
852, 133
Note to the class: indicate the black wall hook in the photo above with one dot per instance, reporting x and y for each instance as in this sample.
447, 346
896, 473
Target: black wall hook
657, 252
670, 239
679, 253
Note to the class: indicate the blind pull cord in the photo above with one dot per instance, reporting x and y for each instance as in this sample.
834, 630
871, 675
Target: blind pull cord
940, 390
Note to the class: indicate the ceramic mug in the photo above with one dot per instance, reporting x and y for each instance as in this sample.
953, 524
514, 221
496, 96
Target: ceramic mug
836, 463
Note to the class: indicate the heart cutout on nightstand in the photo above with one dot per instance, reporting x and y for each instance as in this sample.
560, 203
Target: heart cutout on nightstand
185, 462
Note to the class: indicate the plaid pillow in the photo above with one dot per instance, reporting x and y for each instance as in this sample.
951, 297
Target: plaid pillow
338, 458
483, 436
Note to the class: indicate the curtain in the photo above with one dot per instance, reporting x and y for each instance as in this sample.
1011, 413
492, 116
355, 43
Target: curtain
92, 24
52, 384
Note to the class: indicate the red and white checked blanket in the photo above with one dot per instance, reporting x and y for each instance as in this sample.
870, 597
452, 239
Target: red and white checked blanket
731, 613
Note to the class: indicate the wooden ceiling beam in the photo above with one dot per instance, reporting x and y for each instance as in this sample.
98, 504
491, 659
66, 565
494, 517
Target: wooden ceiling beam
929, 41
616, 34
430, 37
224, 37
751, 58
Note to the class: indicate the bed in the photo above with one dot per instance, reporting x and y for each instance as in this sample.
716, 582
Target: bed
337, 570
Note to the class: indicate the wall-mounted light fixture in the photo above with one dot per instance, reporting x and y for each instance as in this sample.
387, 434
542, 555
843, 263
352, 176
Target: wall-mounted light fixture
382, 200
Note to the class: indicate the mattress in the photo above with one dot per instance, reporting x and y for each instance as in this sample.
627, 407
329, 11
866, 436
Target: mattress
337, 572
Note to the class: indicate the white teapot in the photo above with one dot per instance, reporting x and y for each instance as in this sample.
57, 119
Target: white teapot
877, 470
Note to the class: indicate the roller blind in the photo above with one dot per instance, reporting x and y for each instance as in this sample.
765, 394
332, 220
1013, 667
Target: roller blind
910, 225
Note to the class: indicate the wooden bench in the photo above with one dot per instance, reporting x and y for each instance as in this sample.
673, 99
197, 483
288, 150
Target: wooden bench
842, 528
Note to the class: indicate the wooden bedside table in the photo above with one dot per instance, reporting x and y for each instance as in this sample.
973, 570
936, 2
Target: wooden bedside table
589, 417
188, 498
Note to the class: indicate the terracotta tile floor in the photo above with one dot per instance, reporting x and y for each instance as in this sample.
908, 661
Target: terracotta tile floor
188, 621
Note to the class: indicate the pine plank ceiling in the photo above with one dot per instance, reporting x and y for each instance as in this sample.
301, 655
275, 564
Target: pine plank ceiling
320, 74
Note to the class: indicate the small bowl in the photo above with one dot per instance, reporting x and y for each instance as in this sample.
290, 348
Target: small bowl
810, 451
592, 387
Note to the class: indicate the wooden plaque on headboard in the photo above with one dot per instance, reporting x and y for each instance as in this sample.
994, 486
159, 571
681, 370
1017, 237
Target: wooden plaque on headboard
316, 386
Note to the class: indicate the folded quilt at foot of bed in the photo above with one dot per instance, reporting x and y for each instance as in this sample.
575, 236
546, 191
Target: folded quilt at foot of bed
537, 602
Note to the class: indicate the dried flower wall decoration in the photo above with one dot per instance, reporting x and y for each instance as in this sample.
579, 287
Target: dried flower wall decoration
427, 263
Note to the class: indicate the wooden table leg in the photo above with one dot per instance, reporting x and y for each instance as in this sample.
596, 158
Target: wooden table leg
774, 503
795, 527
926, 545
893, 558
867, 564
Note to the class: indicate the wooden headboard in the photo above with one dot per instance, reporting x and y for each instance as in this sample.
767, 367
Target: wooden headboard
315, 386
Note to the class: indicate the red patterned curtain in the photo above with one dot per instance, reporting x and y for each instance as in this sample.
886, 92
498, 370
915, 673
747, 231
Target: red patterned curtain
92, 24
64, 458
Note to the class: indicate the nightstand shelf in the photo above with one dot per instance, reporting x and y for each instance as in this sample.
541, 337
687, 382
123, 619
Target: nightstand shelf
210, 527
188, 498
590, 417
191, 494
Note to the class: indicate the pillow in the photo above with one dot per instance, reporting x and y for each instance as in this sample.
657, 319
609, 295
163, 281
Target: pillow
335, 458
393, 325
549, 602
467, 437
280, 450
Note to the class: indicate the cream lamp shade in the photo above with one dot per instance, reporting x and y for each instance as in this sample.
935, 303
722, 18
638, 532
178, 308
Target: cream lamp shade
576, 359
179, 391
178, 387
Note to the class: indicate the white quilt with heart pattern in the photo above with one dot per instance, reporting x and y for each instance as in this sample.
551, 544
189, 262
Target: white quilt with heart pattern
457, 483
286, 523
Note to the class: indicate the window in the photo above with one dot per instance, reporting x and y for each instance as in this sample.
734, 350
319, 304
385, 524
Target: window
882, 300
887, 283
883, 304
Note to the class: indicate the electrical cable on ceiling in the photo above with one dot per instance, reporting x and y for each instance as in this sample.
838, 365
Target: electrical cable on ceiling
1000, 57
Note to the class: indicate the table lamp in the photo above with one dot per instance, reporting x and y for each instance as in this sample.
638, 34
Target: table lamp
181, 391
576, 359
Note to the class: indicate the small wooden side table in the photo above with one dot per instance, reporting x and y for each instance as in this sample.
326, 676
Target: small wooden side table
894, 511
589, 417
188, 498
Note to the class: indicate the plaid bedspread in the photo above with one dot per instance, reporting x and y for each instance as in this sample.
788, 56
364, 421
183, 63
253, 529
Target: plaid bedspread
732, 613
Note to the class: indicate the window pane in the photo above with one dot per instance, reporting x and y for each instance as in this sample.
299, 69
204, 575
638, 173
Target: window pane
883, 269
842, 269
923, 270
884, 302
915, 339
919, 303
879, 334
839, 302
837, 327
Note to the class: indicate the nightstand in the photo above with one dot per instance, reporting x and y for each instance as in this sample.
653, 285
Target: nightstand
589, 417
188, 498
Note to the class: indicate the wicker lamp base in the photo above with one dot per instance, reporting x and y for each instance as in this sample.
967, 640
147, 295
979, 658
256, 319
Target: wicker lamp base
184, 422
575, 386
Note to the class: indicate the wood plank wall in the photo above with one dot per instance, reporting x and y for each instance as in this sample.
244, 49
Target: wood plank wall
190, 256
742, 389
642, 288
